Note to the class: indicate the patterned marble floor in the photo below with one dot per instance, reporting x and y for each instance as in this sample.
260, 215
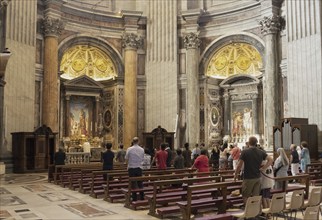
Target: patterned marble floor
30, 196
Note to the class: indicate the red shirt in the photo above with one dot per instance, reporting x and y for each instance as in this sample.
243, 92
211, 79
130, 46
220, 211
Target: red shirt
235, 153
161, 159
202, 163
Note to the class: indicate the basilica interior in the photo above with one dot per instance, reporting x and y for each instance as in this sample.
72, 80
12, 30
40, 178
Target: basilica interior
199, 71
76, 74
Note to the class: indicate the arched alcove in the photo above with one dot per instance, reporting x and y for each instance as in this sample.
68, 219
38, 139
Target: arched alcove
101, 44
224, 41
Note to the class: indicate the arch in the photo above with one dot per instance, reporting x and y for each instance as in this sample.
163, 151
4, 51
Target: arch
239, 79
222, 41
102, 44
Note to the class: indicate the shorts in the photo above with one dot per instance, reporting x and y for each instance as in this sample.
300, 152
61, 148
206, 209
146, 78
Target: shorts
266, 193
251, 187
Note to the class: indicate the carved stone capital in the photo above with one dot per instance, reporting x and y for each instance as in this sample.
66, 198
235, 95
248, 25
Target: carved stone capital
191, 41
272, 24
52, 26
131, 40
4, 3
226, 96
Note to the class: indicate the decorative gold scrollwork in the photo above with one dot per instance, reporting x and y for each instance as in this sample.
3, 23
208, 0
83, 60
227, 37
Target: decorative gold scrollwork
235, 58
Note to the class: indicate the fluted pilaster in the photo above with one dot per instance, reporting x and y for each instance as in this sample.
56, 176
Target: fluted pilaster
130, 42
52, 28
192, 43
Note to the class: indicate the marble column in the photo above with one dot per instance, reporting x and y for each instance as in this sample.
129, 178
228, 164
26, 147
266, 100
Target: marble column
270, 28
4, 58
130, 42
192, 43
52, 29
227, 119
97, 107
67, 112
3, 149
255, 115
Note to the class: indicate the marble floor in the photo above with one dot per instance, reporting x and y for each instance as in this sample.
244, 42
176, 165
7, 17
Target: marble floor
30, 196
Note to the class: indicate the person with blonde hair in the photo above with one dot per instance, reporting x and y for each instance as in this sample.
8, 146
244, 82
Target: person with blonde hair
294, 160
281, 166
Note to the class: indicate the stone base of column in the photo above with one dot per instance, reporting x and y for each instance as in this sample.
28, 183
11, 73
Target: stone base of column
7, 159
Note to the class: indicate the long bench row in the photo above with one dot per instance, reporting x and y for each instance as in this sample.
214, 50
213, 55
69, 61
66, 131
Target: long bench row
315, 172
166, 191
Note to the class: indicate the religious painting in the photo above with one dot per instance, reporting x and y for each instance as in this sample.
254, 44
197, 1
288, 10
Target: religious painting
80, 113
241, 119
107, 118
214, 116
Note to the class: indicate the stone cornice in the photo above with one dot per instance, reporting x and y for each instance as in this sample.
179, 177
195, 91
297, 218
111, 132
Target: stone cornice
52, 26
272, 24
131, 41
191, 41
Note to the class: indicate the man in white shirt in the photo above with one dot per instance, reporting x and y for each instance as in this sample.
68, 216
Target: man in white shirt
134, 158
195, 152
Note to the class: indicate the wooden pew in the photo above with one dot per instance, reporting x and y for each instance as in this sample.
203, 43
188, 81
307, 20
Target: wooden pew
93, 178
186, 207
286, 188
160, 197
78, 175
315, 172
148, 180
96, 182
51, 170
112, 190
305, 177
62, 171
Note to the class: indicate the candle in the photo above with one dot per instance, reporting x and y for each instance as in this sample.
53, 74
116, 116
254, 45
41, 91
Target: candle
228, 125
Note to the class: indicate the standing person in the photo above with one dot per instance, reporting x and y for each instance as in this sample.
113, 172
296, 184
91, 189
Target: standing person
169, 158
161, 158
235, 154
60, 157
267, 182
223, 159
281, 166
187, 155
252, 158
305, 156
294, 160
107, 158
147, 159
214, 158
202, 162
134, 158
120, 156
178, 160
195, 153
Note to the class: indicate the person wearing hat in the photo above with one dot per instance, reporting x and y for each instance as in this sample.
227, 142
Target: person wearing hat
134, 158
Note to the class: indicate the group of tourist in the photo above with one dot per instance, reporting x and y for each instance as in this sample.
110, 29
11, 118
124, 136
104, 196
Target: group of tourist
256, 168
